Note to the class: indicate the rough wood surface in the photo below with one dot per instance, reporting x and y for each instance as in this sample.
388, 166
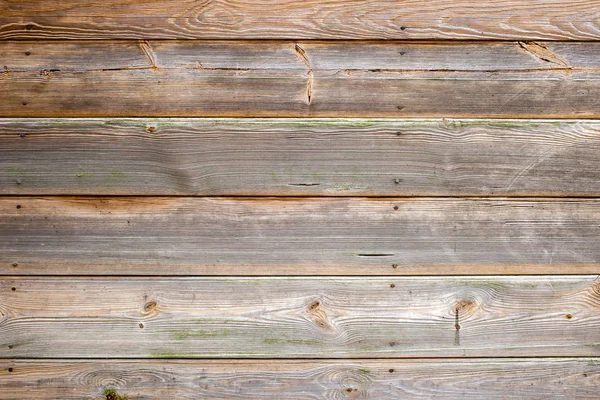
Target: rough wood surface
333, 379
289, 157
300, 317
313, 19
269, 79
269, 236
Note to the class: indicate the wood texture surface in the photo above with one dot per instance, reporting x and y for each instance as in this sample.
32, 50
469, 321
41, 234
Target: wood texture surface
333, 379
299, 317
269, 236
298, 157
313, 19
302, 79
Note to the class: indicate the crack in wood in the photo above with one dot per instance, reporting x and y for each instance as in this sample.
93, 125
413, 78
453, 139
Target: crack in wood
302, 54
543, 53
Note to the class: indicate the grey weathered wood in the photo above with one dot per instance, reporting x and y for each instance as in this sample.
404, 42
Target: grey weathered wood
289, 157
270, 79
308, 236
312, 19
332, 379
300, 317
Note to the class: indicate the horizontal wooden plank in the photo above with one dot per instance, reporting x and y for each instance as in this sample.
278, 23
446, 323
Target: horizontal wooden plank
270, 79
290, 157
64, 317
272, 19
365, 379
309, 236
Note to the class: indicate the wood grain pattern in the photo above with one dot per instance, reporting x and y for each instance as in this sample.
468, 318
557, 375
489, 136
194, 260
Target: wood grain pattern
254, 79
332, 379
290, 157
299, 317
313, 19
327, 236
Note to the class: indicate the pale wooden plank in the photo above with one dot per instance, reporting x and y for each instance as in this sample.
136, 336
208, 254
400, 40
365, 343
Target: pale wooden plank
269, 79
332, 379
308, 236
300, 317
289, 157
241, 19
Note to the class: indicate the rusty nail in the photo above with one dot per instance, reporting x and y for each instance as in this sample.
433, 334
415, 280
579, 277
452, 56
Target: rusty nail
22, 135
15, 264
392, 286
398, 133
399, 107
402, 28
391, 370
18, 206
395, 207
394, 265
27, 53
29, 27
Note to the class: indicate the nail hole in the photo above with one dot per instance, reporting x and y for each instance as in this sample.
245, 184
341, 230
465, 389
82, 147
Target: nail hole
392, 344
24, 103
29, 27
27, 53
10, 370
397, 181
141, 326
391, 370
18, 206
392, 286
399, 107
19, 181
394, 265
402, 28
15, 265
395, 207
568, 316
10, 346
13, 289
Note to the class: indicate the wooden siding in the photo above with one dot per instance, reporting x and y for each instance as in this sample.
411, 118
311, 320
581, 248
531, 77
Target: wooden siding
332, 199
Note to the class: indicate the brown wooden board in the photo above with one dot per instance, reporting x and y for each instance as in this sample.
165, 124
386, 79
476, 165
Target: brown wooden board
329, 379
306, 236
300, 157
293, 79
312, 19
300, 317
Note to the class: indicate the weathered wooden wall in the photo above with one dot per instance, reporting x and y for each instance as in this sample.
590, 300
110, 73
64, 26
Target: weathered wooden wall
299, 200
